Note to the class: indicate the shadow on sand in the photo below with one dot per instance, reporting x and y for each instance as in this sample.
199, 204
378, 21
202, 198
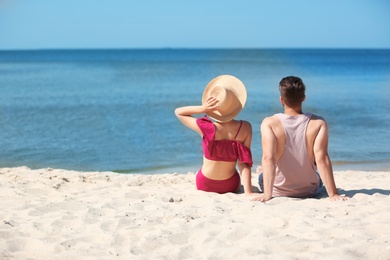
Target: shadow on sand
351, 193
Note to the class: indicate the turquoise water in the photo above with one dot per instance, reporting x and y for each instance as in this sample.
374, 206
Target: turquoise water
113, 109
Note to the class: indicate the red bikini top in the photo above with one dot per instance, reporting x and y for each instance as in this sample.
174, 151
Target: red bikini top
222, 150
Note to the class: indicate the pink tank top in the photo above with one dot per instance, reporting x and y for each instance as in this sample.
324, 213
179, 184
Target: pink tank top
222, 150
295, 173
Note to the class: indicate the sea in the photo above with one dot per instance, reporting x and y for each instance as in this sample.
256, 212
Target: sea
113, 110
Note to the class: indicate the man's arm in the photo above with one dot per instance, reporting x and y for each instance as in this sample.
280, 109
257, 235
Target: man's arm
324, 164
269, 144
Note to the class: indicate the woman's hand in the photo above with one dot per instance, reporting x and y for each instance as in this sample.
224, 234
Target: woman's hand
261, 198
210, 105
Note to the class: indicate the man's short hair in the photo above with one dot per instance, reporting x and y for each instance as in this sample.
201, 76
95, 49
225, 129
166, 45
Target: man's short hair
292, 90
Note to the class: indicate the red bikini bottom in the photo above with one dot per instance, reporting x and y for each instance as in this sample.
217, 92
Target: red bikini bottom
219, 186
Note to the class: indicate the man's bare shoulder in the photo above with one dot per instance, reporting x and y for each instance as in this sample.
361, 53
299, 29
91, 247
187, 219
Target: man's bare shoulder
316, 117
317, 120
272, 123
271, 120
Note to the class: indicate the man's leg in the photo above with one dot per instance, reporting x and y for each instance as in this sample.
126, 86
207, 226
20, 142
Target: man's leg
261, 185
320, 186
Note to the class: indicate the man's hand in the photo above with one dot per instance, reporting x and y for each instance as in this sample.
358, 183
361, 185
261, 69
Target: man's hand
261, 198
337, 197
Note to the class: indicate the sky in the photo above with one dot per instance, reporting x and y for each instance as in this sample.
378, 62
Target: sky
104, 24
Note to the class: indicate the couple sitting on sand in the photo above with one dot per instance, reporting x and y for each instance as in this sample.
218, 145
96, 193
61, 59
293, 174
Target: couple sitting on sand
294, 144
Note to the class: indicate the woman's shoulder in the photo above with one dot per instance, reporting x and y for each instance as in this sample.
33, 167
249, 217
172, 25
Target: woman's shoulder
246, 124
206, 126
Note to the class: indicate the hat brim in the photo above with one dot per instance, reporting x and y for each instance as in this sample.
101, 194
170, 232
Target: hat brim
229, 110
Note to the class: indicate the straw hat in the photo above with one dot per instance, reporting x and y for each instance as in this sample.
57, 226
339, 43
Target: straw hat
231, 94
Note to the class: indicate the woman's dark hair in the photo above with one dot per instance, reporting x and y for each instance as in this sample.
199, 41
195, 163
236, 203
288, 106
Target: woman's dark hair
292, 90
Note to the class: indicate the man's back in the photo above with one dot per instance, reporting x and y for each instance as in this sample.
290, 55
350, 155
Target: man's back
314, 126
294, 139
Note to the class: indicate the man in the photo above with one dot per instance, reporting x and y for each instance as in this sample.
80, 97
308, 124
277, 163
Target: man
295, 145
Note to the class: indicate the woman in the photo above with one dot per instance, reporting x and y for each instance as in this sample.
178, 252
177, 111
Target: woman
225, 141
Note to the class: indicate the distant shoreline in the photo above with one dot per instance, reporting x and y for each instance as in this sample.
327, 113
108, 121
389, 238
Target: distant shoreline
187, 49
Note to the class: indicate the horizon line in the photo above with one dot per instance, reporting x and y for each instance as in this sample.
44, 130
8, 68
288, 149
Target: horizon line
195, 48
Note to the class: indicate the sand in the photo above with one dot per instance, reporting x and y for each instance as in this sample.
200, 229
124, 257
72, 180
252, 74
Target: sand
60, 214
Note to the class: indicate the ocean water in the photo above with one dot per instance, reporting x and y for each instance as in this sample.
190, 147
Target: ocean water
113, 110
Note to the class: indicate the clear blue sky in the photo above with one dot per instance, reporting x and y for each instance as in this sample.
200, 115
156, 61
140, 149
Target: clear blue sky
59, 24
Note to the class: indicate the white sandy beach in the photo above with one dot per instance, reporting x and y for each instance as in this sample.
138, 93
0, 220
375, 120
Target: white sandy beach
59, 214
